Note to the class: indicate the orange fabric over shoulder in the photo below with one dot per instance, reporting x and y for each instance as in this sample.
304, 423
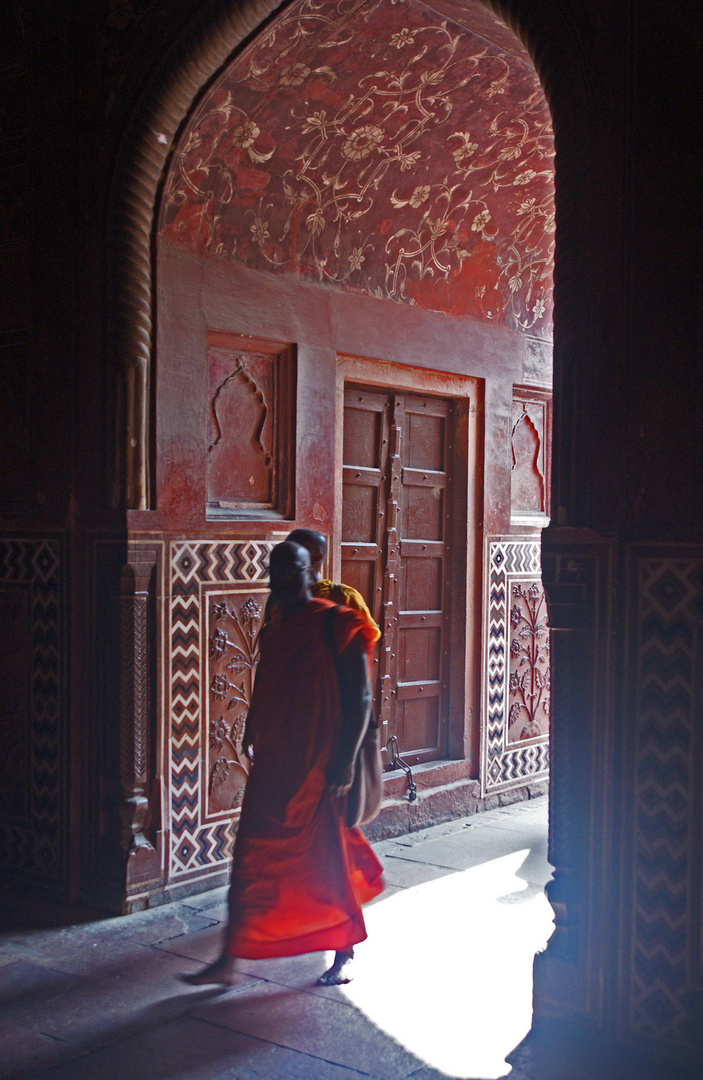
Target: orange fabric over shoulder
339, 593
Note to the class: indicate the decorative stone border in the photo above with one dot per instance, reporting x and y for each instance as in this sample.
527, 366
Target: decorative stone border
200, 841
506, 764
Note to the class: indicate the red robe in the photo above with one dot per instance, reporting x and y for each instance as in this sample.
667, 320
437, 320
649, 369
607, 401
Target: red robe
299, 875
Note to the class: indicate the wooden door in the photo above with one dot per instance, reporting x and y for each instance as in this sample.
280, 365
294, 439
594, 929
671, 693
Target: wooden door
396, 549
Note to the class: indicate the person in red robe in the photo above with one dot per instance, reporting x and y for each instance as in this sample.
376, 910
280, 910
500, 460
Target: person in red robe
299, 874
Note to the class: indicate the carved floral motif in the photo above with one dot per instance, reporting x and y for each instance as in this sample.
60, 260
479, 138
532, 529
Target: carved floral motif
528, 716
233, 659
382, 148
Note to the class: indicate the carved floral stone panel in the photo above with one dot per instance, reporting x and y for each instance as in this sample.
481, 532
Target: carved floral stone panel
381, 147
528, 715
234, 622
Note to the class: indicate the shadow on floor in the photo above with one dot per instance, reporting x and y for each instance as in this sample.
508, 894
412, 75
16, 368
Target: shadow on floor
448, 962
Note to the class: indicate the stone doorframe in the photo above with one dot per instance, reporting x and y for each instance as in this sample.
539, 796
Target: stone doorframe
398, 377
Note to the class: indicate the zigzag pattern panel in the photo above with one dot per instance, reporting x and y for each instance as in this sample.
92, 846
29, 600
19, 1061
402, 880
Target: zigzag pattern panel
32, 829
506, 764
197, 845
667, 882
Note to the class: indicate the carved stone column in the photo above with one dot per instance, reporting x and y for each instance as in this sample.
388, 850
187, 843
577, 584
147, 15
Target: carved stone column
135, 718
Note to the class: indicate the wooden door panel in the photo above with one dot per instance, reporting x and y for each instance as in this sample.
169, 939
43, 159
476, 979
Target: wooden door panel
420, 727
364, 498
423, 513
421, 584
425, 690
426, 435
420, 654
395, 550
424, 478
359, 573
360, 512
363, 428
421, 690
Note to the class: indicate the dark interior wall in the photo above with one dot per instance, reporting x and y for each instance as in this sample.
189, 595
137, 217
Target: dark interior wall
664, 261
623, 569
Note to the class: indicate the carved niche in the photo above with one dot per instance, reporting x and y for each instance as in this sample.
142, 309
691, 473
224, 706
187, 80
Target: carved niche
529, 446
251, 405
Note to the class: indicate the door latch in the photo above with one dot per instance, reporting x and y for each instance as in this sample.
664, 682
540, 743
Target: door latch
396, 762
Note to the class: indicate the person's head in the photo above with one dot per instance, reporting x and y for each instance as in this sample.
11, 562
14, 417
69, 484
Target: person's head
289, 576
315, 545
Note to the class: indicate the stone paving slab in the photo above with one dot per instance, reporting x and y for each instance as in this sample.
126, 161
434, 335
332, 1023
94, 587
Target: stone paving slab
105, 945
205, 945
95, 1012
332, 1030
462, 850
204, 902
404, 873
26, 987
23, 1050
294, 972
145, 927
191, 1049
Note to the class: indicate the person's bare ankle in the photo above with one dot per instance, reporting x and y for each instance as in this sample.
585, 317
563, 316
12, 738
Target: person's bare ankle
339, 973
222, 971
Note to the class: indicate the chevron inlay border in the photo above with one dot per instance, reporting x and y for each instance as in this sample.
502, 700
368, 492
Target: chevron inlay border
667, 813
505, 764
33, 841
196, 567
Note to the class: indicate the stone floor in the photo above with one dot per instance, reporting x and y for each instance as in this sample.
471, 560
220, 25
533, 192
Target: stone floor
442, 986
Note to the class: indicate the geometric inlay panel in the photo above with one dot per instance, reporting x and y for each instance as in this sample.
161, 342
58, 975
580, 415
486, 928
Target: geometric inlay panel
515, 728
666, 855
32, 785
217, 592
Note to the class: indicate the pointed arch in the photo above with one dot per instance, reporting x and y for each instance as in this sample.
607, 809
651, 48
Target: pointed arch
186, 70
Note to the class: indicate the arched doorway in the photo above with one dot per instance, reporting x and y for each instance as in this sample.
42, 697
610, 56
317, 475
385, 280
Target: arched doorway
183, 498
377, 212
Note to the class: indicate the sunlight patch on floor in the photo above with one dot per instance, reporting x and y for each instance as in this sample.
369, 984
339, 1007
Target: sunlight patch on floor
447, 967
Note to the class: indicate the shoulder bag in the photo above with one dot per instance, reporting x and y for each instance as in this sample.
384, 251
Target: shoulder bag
366, 793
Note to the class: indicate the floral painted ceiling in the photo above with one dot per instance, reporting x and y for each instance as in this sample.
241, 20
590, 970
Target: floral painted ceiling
391, 147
